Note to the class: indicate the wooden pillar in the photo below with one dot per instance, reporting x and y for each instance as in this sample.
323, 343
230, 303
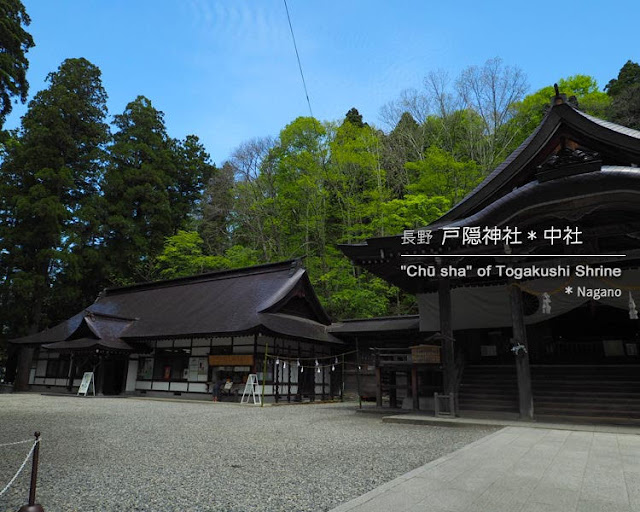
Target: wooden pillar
299, 388
125, 376
313, 373
342, 380
25, 357
393, 395
378, 386
100, 377
446, 329
323, 381
254, 367
72, 372
276, 371
414, 387
525, 394
289, 363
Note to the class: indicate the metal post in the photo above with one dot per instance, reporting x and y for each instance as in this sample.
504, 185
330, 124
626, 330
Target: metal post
32, 507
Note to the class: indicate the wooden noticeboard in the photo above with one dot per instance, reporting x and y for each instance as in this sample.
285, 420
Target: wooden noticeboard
235, 360
425, 354
87, 379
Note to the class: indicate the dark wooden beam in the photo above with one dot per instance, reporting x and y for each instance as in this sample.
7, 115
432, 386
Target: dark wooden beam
446, 329
25, 357
393, 394
100, 377
525, 394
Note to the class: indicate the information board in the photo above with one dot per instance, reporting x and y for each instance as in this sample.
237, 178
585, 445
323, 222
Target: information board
87, 379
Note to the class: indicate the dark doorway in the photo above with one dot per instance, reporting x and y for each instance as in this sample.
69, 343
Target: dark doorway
306, 383
114, 374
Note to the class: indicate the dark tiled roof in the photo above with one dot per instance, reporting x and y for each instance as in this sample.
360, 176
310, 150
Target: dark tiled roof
88, 344
223, 303
611, 126
382, 324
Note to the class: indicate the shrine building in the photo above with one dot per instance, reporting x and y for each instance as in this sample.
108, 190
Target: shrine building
528, 304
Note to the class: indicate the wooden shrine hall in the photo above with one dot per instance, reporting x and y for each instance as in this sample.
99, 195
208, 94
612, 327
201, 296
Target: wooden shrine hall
175, 337
532, 280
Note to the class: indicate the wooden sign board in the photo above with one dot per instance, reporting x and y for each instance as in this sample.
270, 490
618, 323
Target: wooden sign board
87, 379
234, 360
425, 354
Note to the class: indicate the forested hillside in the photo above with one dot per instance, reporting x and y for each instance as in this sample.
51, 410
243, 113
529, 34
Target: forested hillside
91, 199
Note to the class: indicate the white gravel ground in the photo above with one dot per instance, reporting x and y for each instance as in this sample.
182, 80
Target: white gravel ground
125, 454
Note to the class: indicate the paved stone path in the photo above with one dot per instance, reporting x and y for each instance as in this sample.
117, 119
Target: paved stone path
520, 469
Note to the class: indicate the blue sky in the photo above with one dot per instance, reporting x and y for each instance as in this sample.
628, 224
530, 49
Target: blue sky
225, 70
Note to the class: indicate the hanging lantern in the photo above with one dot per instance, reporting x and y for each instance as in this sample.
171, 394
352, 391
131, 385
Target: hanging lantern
301, 369
298, 362
318, 369
316, 362
633, 312
277, 362
546, 304
284, 365
333, 368
336, 361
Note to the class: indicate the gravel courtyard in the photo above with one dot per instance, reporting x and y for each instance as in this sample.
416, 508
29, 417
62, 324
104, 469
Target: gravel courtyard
125, 454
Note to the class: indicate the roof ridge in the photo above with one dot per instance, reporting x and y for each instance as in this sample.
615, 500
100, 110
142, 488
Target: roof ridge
620, 128
263, 268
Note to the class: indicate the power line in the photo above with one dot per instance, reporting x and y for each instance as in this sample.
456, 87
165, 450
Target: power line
295, 46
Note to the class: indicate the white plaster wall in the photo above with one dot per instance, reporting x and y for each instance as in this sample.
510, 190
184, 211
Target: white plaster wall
132, 373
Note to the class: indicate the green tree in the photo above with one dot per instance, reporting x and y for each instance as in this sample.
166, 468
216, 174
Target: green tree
629, 76
50, 179
138, 187
151, 190
625, 94
357, 183
216, 209
15, 42
441, 175
183, 256
354, 117
192, 171
405, 143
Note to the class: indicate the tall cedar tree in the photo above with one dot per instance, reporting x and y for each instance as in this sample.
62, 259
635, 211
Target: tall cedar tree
50, 179
15, 42
150, 188
216, 211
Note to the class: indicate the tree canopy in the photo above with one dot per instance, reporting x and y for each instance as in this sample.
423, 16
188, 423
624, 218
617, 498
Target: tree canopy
15, 42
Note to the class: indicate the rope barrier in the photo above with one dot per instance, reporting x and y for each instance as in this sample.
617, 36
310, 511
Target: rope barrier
6, 488
285, 358
17, 442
